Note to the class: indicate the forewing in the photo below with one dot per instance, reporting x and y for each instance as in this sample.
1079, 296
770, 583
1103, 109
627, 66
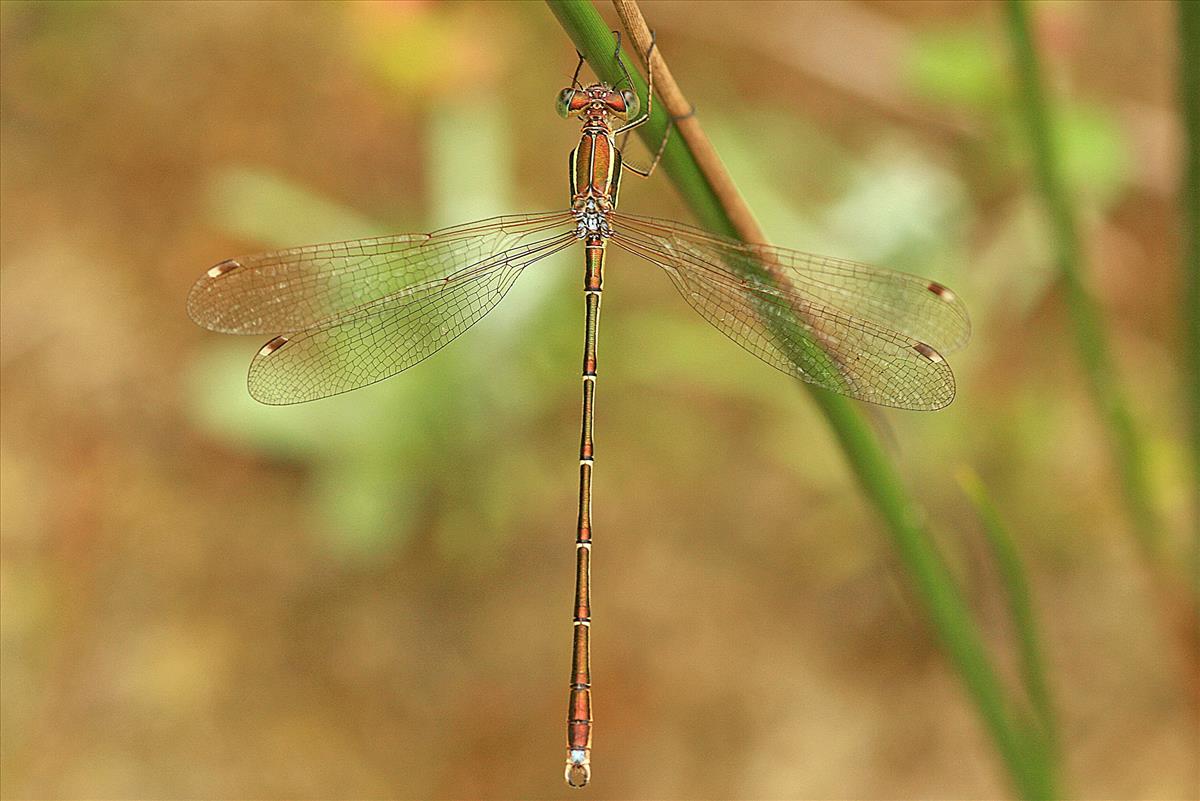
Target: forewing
384, 337
292, 290
764, 299
922, 309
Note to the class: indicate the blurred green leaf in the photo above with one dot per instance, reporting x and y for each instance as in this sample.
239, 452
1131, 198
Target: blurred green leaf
897, 201
1094, 150
262, 206
960, 68
366, 508
955, 66
401, 43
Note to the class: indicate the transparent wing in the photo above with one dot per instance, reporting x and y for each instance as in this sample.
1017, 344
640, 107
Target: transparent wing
867, 333
923, 309
384, 337
292, 290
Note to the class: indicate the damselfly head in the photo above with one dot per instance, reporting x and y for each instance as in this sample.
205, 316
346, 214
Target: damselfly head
596, 100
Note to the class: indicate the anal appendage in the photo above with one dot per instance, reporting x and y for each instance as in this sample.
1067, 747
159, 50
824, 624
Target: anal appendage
579, 768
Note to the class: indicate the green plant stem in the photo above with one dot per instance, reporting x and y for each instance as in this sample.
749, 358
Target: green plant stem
1189, 101
948, 613
1090, 335
1020, 607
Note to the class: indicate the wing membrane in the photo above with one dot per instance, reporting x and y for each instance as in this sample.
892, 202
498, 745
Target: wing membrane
292, 290
867, 333
384, 337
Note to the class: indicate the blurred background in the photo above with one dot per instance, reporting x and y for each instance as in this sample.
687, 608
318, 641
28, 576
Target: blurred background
370, 596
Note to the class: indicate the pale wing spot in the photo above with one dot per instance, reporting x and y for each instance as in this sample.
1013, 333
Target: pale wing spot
272, 346
943, 292
928, 352
229, 265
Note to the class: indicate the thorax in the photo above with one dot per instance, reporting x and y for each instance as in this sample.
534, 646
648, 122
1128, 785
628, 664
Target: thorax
595, 167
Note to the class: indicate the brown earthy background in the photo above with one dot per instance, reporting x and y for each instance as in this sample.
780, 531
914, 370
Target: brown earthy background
370, 596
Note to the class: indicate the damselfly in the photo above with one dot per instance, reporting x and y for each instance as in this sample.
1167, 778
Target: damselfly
349, 314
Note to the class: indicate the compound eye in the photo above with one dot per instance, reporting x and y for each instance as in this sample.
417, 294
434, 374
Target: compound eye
563, 105
632, 104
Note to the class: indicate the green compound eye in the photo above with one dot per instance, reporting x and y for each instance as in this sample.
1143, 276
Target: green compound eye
563, 104
632, 104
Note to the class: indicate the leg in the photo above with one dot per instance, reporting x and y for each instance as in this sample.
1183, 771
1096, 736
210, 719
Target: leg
578, 67
628, 127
